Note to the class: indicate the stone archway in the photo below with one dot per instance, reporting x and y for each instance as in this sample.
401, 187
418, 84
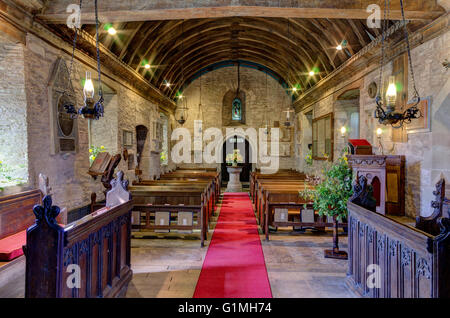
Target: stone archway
241, 143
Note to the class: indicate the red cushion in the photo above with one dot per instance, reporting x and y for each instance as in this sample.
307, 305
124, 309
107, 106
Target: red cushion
11, 246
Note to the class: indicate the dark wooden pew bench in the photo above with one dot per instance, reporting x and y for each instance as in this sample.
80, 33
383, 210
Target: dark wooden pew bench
16, 215
196, 175
147, 200
208, 184
283, 174
262, 186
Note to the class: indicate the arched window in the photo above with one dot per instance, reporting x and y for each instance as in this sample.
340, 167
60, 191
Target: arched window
233, 108
236, 114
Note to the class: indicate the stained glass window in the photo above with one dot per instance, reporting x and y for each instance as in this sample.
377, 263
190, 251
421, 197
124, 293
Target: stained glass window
236, 110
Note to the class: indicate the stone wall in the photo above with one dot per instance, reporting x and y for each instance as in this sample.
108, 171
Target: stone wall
217, 83
72, 186
13, 110
426, 153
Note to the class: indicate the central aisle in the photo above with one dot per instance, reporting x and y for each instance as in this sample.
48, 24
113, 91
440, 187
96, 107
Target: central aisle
234, 265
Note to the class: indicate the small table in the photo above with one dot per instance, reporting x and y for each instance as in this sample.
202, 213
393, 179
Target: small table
234, 185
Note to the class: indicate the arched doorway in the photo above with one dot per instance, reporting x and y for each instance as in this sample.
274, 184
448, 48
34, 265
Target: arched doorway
241, 143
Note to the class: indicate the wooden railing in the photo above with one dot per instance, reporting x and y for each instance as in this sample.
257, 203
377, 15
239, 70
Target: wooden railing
87, 258
410, 263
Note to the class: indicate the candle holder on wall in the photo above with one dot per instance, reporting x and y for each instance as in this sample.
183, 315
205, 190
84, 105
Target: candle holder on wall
380, 144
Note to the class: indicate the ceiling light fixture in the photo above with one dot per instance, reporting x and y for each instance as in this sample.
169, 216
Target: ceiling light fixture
91, 109
112, 31
385, 112
182, 111
289, 109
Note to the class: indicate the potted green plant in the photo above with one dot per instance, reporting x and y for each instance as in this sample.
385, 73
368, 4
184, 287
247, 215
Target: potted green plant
330, 198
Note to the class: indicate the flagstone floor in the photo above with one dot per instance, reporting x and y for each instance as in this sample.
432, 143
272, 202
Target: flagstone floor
170, 267
295, 264
294, 261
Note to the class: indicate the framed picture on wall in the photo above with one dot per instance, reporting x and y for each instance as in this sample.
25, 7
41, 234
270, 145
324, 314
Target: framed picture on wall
422, 124
285, 149
286, 134
127, 140
323, 137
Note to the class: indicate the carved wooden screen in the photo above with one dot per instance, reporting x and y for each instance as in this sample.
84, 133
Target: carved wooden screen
323, 137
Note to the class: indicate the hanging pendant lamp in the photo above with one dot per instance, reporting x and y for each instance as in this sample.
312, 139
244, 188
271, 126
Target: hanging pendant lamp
181, 114
91, 109
289, 110
386, 107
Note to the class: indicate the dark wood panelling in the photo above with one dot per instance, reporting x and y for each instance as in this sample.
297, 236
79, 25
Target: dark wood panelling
88, 243
412, 263
16, 212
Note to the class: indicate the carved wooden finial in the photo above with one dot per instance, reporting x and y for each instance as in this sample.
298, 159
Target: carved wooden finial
363, 194
437, 221
47, 212
119, 193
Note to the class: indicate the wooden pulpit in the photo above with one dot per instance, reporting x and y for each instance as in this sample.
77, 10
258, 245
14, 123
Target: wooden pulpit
386, 174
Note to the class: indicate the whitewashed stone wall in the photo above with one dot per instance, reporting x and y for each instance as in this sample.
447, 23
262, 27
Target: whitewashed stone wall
71, 184
105, 132
217, 83
13, 109
427, 154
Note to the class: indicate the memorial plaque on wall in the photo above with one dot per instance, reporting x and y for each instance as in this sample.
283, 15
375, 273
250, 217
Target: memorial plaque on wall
64, 128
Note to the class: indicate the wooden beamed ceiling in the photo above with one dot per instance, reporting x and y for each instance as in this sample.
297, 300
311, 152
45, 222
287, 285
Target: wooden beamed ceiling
144, 10
177, 49
178, 44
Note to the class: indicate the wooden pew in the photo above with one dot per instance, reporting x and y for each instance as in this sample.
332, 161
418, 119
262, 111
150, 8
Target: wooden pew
280, 174
174, 199
261, 185
192, 175
98, 245
255, 178
412, 263
208, 184
196, 169
16, 215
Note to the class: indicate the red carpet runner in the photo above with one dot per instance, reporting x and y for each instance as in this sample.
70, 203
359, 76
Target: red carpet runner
234, 266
